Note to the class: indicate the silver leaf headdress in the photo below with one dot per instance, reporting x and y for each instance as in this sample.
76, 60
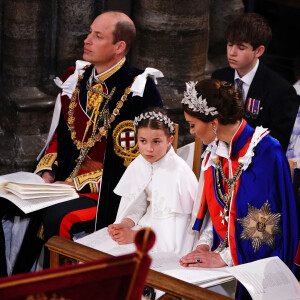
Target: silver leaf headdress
195, 103
153, 115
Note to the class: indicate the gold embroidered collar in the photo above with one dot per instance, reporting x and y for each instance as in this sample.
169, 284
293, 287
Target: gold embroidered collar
103, 76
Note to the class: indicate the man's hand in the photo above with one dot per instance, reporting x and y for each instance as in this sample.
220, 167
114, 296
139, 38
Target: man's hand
48, 176
202, 258
65, 182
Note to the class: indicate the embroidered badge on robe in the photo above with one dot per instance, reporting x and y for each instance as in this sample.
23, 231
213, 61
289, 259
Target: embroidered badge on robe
125, 145
260, 226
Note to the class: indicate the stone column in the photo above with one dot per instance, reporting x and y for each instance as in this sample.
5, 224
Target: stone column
1, 30
74, 20
40, 40
124, 6
172, 36
23, 106
221, 13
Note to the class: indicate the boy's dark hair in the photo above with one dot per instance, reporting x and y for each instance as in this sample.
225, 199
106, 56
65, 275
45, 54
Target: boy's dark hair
249, 28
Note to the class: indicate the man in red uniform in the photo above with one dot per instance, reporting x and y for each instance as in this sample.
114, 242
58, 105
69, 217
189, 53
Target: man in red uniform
87, 146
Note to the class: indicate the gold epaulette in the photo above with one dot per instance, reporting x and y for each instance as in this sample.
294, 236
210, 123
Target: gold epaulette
89, 178
46, 163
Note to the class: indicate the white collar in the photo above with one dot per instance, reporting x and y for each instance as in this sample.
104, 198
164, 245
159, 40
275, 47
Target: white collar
222, 149
247, 79
158, 163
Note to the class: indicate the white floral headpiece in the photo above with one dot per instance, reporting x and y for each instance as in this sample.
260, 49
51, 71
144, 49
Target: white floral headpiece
194, 103
153, 115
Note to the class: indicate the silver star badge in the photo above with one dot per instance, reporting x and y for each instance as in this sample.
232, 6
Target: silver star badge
260, 226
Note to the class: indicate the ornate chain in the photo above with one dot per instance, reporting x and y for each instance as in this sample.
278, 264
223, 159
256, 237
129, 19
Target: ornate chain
107, 96
224, 243
226, 198
231, 182
103, 114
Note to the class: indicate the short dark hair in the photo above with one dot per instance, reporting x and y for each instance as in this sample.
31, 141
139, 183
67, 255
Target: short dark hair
222, 96
249, 28
124, 31
154, 123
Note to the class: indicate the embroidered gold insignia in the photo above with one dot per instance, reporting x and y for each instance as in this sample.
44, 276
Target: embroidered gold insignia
125, 145
88, 178
260, 226
46, 162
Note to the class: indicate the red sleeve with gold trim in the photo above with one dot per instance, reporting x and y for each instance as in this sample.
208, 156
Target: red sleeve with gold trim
48, 162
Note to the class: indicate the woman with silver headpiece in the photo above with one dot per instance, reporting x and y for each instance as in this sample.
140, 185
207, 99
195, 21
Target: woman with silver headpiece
247, 206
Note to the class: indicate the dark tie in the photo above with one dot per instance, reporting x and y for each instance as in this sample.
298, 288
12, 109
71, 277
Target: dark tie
239, 85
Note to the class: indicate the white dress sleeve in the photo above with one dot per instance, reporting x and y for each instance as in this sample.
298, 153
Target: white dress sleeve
206, 233
136, 209
226, 256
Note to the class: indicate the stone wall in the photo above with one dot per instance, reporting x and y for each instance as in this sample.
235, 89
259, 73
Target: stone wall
39, 39
172, 36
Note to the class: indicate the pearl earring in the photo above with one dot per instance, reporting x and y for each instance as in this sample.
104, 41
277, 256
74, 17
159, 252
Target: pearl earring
215, 131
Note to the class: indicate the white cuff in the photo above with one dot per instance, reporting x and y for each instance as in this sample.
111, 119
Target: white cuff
226, 256
206, 239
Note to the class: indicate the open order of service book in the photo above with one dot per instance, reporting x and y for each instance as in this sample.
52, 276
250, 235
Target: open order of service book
264, 279
164, 262
29, 192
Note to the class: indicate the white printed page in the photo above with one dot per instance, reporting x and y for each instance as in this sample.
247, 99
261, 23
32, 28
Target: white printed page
101, 240
267, 279
21, 177
47, 194
30, 205
29, 182
164, 262
26, 188
168, 263
34, 200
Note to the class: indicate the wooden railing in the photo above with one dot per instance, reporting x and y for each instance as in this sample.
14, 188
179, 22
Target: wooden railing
170, 285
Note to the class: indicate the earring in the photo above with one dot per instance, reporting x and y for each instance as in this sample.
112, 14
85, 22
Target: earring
215, 131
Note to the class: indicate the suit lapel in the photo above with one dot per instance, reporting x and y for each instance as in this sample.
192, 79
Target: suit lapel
256, 89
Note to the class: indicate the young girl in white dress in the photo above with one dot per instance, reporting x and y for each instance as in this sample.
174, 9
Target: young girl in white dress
157, 189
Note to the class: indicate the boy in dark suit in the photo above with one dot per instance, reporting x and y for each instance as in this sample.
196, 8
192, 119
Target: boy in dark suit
270, 100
